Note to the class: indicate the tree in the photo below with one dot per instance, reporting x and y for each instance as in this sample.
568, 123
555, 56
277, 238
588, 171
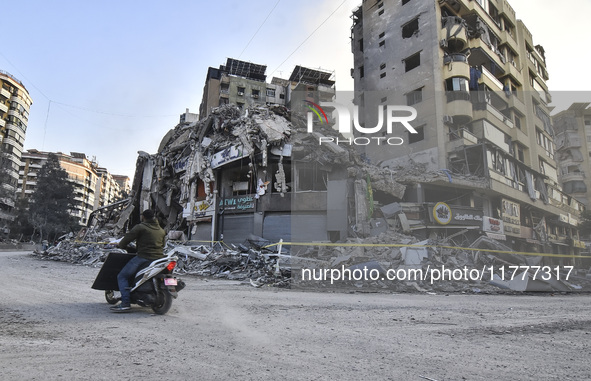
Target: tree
52, 201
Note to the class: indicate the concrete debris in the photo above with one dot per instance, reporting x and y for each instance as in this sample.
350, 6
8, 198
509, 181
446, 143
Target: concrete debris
423, 257
169, 181
260, 267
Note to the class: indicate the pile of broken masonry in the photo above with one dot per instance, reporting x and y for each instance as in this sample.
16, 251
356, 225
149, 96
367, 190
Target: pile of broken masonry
258, 263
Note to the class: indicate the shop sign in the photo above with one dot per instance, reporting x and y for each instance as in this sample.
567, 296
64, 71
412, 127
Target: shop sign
492, 225
511, 213
180, 165
203, 208
443, 214
244, 203
227, 155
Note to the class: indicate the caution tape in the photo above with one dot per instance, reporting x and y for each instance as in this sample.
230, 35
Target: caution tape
423, 246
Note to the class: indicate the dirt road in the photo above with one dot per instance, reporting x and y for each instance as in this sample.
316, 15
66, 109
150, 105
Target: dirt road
53, 326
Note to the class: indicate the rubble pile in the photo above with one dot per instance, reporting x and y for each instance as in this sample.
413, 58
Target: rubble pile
409, 258
254, 264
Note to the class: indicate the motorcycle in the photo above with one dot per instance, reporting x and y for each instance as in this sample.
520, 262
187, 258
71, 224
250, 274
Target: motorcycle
153, 286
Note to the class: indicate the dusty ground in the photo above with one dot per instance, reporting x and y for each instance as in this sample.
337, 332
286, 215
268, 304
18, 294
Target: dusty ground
54, 326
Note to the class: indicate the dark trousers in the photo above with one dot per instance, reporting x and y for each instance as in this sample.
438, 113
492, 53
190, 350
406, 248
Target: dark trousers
128, 272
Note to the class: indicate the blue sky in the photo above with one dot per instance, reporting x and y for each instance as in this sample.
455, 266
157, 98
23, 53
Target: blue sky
116, 75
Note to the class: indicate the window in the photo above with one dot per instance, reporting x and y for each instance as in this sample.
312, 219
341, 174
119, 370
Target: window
420, 135
517, 119
456, 84
412, 62
382, 43
414, 97
255, 93
241, 90
411, 28
384, 100
360, 44
382, 75
587, 122
380, 5
312, 178
382, 66
381, 12
361, 71
382, 35
270, 92
405, 1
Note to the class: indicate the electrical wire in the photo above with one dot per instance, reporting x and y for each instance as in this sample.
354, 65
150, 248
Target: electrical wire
307, 38
260, 26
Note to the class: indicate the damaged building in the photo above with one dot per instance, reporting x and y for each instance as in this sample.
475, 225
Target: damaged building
478, 83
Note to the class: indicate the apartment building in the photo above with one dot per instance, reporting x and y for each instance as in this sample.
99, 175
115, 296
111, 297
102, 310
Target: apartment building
124, 183
475, 77
15, 104
573, 151
93, 186
240, 83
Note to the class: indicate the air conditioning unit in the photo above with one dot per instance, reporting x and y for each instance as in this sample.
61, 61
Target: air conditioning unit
240, 93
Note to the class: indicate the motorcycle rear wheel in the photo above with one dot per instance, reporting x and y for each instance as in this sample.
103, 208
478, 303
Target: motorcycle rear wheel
113, 297
163, 304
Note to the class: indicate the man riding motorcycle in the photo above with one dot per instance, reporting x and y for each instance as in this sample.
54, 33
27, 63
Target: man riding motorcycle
150, 240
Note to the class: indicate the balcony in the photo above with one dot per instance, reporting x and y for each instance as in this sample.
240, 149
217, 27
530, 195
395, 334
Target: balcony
456, 65
454, 33
482, 53
573, 176
513, 69
459, 106
491, 114
3, 108
5, 93
461, 138
490, 80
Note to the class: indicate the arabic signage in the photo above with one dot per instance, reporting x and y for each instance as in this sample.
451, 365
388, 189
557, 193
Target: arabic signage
510, 214
227, 155
444, 214
244, 203
203, 209
492, 225
180, 165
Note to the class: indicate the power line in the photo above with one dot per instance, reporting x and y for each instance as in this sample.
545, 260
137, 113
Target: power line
307, 38
260, 26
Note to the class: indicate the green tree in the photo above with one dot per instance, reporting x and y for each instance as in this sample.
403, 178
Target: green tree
52, 201
21, 226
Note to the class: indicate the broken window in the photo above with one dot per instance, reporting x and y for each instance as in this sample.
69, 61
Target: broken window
420, 135
361, 45
412, 62
414, 97
382, 43
382, 35
382, 66
381, 12
382, 75
311, 177
410, 28
241, 90
270, 92
225, 88
405, 1
361, 72
256, 93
